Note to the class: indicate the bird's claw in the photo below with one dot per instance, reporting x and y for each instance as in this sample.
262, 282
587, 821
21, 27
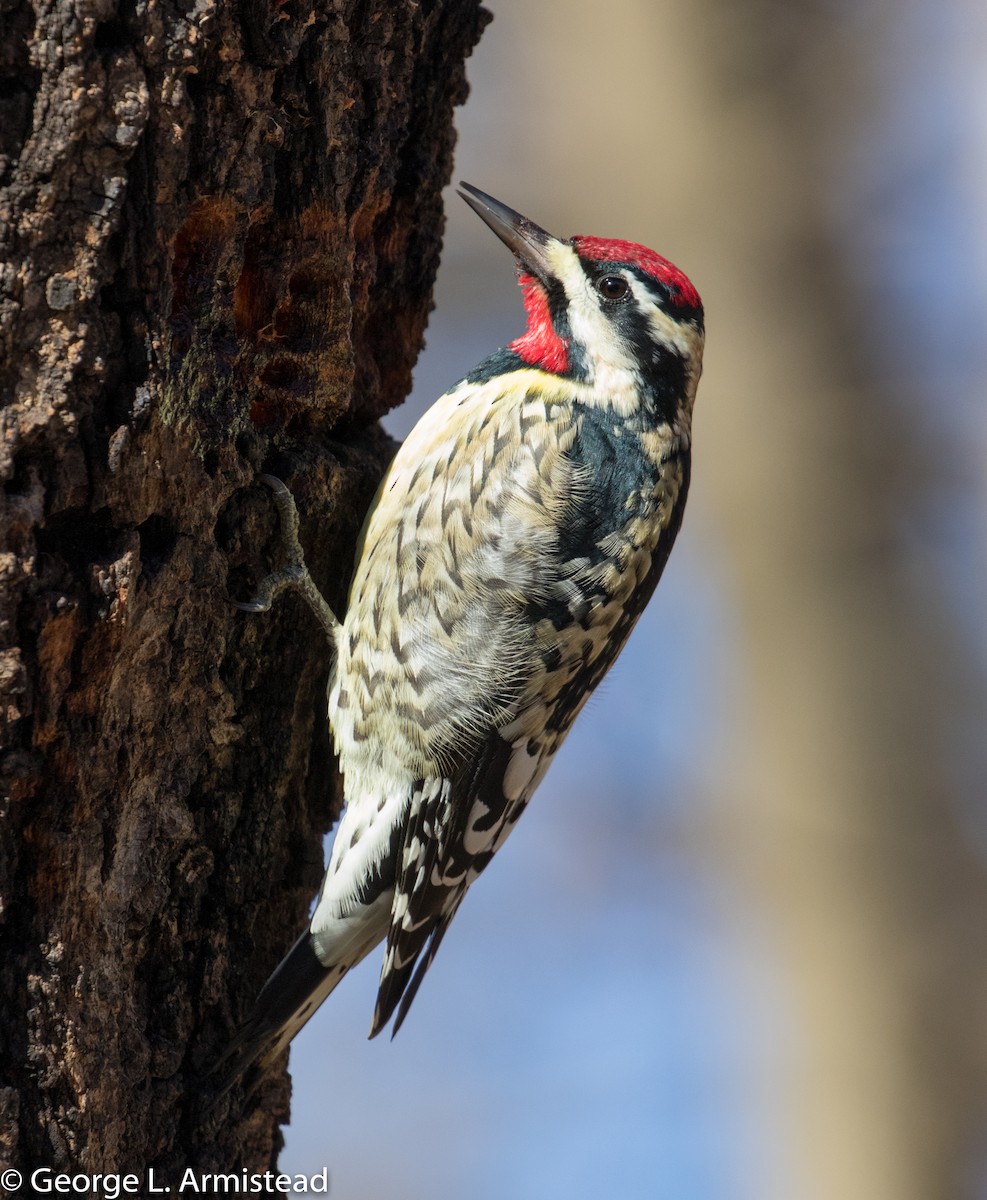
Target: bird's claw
294, 574
253, 606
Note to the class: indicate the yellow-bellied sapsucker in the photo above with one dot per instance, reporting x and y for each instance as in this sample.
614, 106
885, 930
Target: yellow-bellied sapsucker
512, 545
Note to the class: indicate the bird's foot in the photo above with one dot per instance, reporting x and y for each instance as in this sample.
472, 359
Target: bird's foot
294, 575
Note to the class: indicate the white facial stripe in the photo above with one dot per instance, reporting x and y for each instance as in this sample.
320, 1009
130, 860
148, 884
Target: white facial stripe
589, 326
565, 265
679, 335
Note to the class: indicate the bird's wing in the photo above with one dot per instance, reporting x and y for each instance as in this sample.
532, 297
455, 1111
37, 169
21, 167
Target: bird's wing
452, 834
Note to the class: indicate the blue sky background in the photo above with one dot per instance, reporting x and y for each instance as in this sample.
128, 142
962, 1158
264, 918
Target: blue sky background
607, 1016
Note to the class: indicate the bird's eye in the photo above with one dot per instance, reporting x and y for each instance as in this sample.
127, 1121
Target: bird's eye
612, 287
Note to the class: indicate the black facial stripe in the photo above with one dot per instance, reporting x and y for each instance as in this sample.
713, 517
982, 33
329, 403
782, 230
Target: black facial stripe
660, 293
667, 298
663, 369
558, 306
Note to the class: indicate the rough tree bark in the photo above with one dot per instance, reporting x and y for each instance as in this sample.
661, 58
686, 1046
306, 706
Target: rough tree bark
219, 228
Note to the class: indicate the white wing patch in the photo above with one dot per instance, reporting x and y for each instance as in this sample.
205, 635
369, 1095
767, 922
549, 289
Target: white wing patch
363, 840
342, 941
520, 771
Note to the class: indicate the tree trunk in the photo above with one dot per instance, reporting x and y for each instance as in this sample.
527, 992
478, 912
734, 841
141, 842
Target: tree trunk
219, 228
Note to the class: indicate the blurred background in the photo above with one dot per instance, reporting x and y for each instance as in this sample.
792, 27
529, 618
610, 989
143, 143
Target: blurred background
737, 948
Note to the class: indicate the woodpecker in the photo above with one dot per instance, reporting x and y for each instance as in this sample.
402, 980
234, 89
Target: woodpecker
512, 545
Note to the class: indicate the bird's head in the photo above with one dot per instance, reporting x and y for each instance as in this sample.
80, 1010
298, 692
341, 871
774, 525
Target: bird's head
613, 314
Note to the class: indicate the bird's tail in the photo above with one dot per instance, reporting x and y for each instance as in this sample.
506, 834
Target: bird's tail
294, 991
299, 984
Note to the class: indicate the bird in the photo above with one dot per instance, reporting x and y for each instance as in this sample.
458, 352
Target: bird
513, 543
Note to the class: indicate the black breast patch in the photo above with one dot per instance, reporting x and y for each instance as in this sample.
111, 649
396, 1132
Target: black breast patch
619, 479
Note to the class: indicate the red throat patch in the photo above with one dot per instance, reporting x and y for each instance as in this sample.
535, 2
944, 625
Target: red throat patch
540, 345
605, 249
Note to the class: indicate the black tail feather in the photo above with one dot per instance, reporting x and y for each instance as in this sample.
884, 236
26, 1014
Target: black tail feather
297, 987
